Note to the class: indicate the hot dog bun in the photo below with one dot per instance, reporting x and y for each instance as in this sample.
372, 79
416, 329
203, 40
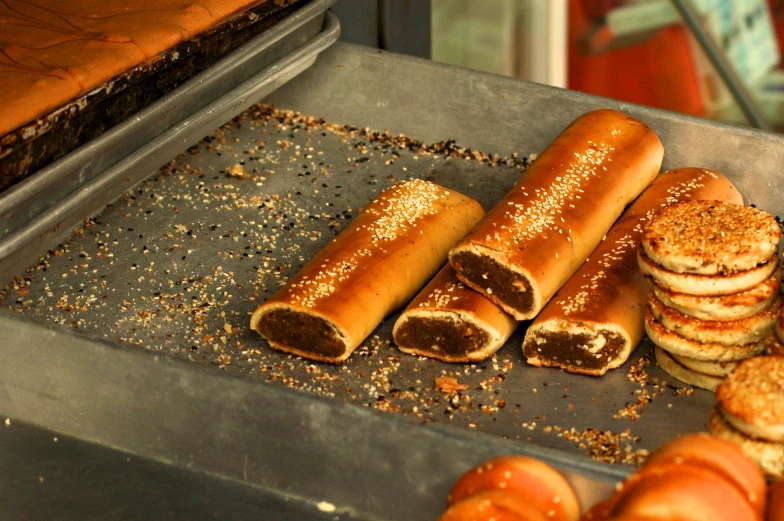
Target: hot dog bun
373, 267
596, 319
542, 231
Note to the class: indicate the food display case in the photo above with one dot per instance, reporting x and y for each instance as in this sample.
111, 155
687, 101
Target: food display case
128, 369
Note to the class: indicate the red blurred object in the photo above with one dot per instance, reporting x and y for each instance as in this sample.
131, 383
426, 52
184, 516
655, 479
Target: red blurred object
658, 73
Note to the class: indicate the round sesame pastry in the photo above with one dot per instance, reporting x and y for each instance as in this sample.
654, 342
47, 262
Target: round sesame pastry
727, 332
723, 307
705, 285
710, 237
493, 505
752, 398
720, 455
711, 352
536, 481
682, 491
768, 455
719, 369
685, 375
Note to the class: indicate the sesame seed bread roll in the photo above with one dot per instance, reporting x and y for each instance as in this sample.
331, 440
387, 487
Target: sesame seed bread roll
596, 319
451, 322
537, 236
372, 268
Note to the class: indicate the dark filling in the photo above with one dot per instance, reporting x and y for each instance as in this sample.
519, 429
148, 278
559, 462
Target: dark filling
302, 332
564, 349
509, 287
442, 336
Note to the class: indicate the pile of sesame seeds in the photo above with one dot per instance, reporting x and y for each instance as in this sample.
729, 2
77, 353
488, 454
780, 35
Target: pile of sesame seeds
177, 265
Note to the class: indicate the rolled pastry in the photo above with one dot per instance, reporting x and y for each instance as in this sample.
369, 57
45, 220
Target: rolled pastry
531, 242
451, 322
596, 320
372, 268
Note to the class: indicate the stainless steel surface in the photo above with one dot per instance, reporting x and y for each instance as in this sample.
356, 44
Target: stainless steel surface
177, 265
734, 83
368, 464
44, 207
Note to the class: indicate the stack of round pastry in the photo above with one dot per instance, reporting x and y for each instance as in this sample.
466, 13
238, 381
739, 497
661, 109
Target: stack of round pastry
715, 283
750, 412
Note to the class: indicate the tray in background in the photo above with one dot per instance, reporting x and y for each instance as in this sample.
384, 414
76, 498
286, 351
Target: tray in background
36, 144
39, 212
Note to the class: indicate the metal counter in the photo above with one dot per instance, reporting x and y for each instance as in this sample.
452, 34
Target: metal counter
134, 334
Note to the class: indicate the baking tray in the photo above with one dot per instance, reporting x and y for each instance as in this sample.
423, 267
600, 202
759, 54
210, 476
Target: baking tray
203, 392
41, 210
50, 136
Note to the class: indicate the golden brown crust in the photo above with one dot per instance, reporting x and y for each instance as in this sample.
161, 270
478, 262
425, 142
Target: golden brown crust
493, 505
710, 237
372, 268
727, 332
51, 58
674, 343
682, 491
539, 483
705, 285
768, 455
723, 307
684, 374
608, 292
720, 369
447, 302
752, 397
776, 502
548, 224
773, 346
780, 326
720, 455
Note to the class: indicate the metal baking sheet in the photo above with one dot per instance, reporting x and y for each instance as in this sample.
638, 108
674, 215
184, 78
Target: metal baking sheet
176, 266
42, 210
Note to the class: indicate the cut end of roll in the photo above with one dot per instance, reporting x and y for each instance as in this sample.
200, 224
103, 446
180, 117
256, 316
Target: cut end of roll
444, 336
576, 348
509, 289
304, 334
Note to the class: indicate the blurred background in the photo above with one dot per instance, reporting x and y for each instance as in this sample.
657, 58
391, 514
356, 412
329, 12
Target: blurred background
641, 51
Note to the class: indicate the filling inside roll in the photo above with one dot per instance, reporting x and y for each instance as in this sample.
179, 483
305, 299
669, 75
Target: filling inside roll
441, 335
588, 351
302, 331
506, 286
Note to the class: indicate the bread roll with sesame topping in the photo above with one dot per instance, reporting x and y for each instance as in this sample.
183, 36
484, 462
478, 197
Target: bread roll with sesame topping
541, 485
372, 268
542, 231
596, 320
451, 322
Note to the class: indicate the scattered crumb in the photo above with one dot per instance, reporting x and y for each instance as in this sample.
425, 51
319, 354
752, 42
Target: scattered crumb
449, 385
